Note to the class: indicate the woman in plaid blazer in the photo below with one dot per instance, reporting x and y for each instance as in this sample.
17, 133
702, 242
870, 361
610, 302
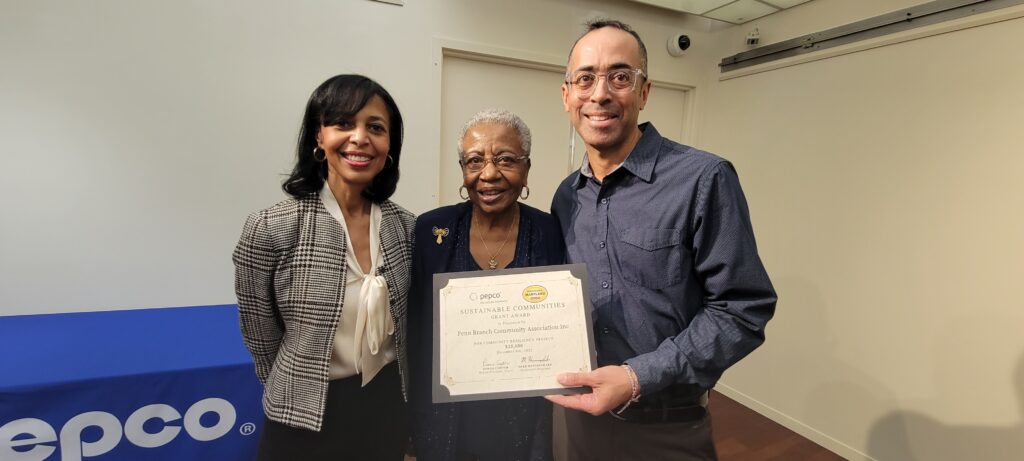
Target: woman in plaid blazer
322, 280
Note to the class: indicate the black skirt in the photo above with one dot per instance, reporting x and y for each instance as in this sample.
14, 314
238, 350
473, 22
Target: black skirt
360, 423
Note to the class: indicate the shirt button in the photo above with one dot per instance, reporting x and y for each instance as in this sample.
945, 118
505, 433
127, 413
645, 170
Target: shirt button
604, 200
601, 244
605, 284
606, 330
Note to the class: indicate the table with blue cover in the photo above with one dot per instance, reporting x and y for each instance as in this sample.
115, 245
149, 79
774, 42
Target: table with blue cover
147, 384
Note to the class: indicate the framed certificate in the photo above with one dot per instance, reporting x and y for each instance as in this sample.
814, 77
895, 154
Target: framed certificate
508, 333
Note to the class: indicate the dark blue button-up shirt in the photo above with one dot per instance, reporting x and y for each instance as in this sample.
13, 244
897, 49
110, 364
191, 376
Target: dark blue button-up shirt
678, 289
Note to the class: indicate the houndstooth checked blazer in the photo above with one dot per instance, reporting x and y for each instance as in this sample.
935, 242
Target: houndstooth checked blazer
290, 273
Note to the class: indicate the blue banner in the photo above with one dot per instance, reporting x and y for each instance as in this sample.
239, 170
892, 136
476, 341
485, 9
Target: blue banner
154, 384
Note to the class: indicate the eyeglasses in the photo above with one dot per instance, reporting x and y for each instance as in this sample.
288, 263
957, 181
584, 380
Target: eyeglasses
618, 80
504, 162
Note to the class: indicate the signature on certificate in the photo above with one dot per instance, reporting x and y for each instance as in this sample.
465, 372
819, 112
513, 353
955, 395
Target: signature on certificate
500, 363
532, 359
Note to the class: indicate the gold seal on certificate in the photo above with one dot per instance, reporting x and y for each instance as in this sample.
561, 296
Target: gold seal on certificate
508, 333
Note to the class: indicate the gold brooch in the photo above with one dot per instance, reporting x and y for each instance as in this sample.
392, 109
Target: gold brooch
440, 233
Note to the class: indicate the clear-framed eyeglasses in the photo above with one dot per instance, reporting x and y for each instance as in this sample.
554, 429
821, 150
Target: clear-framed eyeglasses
618, 80
475, 163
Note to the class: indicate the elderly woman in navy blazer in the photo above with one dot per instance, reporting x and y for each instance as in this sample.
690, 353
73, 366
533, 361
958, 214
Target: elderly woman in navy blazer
322, 280
490, 230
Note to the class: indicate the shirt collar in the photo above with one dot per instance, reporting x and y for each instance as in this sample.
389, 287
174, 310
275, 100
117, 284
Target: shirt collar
640, 161
334, 209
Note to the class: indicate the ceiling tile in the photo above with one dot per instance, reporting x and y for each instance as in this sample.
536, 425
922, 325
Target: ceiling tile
687, 6
785, 3
741, 11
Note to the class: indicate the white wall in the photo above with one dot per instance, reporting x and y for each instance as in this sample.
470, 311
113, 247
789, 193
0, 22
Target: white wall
885, 185
887, 189
135, 136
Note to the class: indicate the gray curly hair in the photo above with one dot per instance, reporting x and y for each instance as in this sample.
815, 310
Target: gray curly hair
500, 117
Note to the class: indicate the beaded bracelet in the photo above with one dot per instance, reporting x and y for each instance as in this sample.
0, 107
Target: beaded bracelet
634, 382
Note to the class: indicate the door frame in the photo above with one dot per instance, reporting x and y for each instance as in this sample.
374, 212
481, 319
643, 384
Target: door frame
444, 47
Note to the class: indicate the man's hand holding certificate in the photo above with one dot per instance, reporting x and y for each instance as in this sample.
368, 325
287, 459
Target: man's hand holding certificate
509, 333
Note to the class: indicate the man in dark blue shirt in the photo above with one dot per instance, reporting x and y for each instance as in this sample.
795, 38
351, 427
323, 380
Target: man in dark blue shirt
678, 289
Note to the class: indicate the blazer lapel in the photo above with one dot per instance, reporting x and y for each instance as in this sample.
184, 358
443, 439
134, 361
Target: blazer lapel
444, 252
397, 255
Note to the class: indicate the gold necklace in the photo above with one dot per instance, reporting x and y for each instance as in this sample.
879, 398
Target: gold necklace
492, 262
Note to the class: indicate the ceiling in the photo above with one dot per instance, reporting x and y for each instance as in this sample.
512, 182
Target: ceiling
731, 11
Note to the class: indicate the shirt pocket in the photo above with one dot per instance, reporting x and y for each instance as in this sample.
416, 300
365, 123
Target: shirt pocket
651, 257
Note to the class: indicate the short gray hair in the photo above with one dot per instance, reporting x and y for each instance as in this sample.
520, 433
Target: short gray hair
500, 117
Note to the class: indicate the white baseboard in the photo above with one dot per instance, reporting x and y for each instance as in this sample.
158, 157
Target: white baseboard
804, 430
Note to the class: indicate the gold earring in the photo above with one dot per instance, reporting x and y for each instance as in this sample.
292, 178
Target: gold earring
461, 189
527, 190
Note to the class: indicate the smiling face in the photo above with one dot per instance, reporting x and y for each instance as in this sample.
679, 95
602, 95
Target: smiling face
357, 148
493, 190
607, 121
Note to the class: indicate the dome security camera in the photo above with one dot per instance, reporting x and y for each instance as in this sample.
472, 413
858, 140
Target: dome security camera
677, 44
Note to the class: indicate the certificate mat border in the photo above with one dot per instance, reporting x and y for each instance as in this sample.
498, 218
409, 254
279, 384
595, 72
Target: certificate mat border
439, 393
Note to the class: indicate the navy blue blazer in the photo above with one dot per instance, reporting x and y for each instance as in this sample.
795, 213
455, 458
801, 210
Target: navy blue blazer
435, 427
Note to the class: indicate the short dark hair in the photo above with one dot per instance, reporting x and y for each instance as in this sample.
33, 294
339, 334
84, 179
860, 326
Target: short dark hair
601, 23
334, 101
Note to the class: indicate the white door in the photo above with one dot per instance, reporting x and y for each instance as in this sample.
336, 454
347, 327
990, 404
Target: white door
532, 91
470, 86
